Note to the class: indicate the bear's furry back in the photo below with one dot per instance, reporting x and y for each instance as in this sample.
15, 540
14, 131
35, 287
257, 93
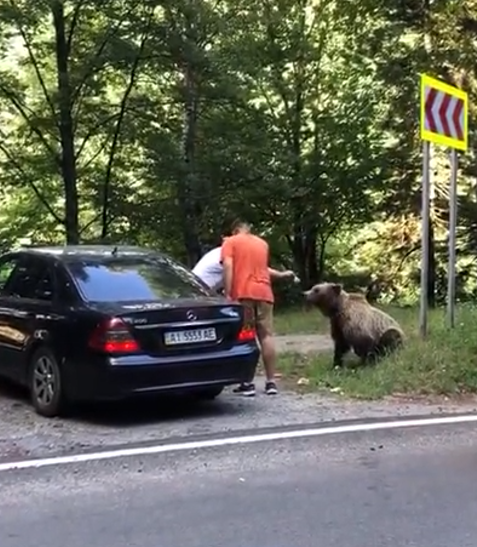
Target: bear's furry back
361, 325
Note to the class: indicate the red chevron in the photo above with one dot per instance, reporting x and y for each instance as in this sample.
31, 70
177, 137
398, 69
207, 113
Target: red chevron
459, 106
442, 114
431, 97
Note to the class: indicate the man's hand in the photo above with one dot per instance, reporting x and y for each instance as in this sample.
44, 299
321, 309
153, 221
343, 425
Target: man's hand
276, 274
288, 274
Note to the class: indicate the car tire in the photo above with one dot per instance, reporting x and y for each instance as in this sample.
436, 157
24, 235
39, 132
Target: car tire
45, 384
209, 394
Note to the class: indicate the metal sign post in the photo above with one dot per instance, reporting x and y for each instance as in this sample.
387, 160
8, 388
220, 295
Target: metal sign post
444, 113
425, 212
452, 240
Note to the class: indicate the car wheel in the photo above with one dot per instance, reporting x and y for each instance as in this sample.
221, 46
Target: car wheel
210, 393
46, 388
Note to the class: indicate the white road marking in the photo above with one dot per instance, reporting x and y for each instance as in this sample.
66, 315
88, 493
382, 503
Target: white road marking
236, 440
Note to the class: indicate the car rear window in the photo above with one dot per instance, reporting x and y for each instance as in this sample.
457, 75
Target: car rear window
127, 279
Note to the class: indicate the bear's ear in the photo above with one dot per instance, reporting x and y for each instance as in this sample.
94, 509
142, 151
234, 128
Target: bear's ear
337, 288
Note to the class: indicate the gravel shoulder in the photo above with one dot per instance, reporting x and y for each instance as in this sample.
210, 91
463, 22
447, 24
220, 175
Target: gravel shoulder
304, 343
23, 434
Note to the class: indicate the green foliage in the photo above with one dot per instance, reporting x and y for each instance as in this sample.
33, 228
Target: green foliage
152, 122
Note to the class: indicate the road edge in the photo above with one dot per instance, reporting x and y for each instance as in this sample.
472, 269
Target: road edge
240, 437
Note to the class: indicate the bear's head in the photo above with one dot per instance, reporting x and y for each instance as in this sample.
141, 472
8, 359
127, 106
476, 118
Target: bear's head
327, 297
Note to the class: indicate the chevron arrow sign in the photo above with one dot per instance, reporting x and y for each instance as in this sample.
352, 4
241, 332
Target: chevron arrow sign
443, 113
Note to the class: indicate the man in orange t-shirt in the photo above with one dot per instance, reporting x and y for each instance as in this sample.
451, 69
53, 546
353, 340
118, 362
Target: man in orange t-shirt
247, 278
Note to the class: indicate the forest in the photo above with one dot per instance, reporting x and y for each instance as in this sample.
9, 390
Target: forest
152, 122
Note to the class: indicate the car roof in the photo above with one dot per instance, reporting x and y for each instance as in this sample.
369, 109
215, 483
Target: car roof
70, 253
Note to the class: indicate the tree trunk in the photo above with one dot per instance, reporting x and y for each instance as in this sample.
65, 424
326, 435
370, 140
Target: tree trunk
68, 159
296, 247
311, 256
303, 247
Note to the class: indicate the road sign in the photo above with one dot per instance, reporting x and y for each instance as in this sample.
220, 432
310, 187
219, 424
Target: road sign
443, 113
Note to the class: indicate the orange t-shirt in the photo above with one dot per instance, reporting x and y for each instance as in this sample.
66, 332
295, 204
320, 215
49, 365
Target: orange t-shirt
250, 275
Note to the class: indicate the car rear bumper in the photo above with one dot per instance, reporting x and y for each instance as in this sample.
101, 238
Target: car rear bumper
109, 378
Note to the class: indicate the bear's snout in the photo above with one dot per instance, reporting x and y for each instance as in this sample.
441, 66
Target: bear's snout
308, 295
310, 299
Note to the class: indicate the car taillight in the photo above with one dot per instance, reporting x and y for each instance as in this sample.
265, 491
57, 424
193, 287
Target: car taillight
247, 332
113, 336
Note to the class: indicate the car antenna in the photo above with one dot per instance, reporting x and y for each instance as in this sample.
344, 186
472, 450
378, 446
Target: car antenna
114, 252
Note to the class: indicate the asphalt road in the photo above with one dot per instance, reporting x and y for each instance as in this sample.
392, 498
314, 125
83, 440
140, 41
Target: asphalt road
24, 434
413, 487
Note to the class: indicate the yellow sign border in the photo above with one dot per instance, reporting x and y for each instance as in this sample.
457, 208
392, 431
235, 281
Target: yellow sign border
428, 81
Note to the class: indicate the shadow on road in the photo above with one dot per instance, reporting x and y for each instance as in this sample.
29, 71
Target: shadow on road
13, 394
139, 412
128, 413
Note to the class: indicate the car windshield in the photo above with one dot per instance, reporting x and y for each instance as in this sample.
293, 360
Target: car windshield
126, 279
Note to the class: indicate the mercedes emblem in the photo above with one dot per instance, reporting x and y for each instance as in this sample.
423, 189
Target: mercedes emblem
191, 316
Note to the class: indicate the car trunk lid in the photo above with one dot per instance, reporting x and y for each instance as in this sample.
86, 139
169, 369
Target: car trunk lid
181, 326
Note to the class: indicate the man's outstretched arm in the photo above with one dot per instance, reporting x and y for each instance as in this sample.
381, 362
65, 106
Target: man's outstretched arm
276, 274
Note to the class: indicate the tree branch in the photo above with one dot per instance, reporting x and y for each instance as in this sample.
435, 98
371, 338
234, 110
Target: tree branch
12, 159
96, 154
76, 96
90, 223
117, 133
22, 110
34, 63
93, 132
74, 23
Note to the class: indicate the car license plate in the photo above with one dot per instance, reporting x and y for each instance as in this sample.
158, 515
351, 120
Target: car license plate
193, 336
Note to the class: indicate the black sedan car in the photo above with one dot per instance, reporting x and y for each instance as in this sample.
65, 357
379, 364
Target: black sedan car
100, 322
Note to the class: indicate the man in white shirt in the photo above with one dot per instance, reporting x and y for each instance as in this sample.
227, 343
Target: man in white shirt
209, 269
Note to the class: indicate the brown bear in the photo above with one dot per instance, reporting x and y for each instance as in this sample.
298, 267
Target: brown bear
355, 324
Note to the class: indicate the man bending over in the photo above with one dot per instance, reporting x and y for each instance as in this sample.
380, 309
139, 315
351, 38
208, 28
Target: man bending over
209, 269
247, 278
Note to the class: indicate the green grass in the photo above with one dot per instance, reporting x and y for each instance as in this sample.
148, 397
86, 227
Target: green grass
445, 364
299, 321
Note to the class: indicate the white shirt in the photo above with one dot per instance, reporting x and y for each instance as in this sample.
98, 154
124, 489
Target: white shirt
210, 270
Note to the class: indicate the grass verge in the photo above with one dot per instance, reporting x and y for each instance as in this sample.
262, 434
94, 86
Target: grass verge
299, 321
443, 365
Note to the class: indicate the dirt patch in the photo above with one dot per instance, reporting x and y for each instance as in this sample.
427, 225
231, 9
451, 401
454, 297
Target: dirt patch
303, 343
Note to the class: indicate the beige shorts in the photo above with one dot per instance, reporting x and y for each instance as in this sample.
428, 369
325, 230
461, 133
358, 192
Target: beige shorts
262, 316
